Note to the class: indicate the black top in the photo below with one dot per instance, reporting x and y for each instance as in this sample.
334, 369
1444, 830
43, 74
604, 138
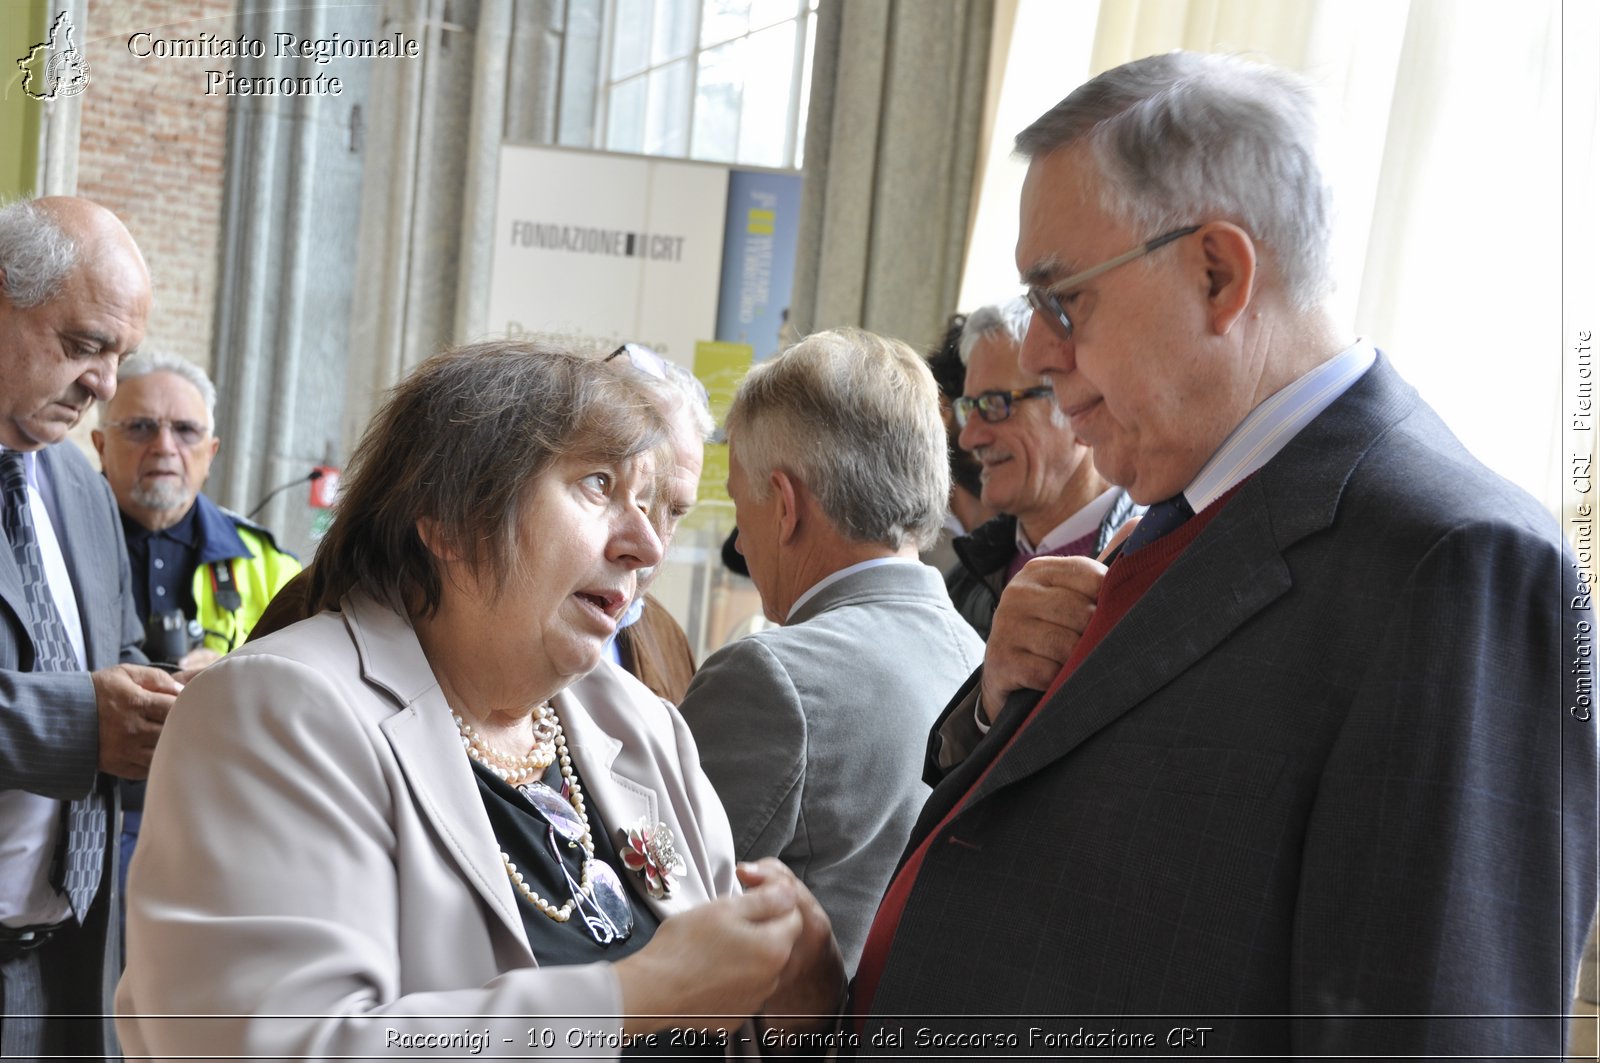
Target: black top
522, 834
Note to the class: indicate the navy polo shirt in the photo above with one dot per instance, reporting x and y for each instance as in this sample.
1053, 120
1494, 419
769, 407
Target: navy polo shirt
163, 565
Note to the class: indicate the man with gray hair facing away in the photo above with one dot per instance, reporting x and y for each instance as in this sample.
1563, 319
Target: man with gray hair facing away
811, 731
1313, 774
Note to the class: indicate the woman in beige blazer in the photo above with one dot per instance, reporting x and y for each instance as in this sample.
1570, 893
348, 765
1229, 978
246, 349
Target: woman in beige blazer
392, 830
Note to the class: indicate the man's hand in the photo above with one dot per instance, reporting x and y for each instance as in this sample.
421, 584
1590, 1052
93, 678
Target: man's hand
811, 986
132, 701
195, 660
1041, 616
713, 965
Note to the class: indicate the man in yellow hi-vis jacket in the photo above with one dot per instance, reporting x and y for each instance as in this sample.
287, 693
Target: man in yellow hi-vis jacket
201, 574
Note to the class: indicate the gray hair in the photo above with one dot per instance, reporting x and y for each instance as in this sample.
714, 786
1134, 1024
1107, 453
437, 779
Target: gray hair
36, 254
855, 417
146, 362
1009, 319
680, 389
1185, 138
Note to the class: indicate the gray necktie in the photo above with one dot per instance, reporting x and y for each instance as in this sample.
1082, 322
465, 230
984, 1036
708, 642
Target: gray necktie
79, 869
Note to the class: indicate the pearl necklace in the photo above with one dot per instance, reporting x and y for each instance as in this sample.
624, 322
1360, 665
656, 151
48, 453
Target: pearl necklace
574, 793
514, 770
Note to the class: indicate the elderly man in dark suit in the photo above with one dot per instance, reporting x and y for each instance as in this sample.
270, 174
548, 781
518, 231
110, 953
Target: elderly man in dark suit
1311, 773
76, 706
811, 731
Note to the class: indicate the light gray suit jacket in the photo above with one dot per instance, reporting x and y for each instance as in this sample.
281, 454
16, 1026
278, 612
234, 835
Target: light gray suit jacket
314, 844
813, 732
49, 726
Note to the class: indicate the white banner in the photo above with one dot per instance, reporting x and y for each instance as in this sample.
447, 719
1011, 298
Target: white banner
607, 248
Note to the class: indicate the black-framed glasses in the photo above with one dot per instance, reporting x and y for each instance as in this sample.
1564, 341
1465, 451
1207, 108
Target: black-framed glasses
995, 406
144, 429
1046, 301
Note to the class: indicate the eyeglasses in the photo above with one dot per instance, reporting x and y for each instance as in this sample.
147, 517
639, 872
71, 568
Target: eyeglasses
653, 365
604, 906
144, 429
641, 358
1047, 300
995, 406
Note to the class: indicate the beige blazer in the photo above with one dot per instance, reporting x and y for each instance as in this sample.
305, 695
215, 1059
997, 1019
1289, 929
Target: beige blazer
316, 875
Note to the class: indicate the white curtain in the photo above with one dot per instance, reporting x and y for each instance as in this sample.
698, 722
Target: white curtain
1447, 138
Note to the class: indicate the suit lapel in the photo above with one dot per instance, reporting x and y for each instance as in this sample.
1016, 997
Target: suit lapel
91, 554
1225, 577
11, 588
622, 791
428, 749
1232, 571
91, 557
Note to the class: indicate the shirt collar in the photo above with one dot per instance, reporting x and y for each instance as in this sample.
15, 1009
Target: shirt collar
1267, 429
30, 467
827, 581
186, 531
1074, 527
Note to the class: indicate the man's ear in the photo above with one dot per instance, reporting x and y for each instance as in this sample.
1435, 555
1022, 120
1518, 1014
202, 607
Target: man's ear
788, 491
1230, 263
98, 438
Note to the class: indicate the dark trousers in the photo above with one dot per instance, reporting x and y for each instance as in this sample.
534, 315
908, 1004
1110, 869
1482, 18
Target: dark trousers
55, 999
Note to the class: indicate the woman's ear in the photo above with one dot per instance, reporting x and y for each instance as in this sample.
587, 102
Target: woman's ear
428, 531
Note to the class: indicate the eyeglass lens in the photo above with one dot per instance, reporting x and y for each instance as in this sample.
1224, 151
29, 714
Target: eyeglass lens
641, 358
994, 406
604, 907
144, 429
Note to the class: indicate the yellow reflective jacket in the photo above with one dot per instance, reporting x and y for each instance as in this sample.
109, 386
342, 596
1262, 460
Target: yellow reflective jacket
240, 569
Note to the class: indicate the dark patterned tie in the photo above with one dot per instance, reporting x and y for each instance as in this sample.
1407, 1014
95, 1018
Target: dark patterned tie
1160, 519
86, 817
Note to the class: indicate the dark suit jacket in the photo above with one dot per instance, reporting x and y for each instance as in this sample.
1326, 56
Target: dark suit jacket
49, 728
1324, 768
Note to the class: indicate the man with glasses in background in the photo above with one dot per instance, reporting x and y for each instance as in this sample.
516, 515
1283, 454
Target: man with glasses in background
190, 557
201, 574
1313, 773
1036, 475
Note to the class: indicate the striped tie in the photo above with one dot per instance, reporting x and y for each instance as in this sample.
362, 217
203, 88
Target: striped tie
86, 817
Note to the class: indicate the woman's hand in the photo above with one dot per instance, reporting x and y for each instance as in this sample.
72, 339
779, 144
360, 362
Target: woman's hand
811, 986
716, 964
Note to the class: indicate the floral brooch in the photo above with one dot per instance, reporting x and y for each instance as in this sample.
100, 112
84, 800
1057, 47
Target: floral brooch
648, 852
